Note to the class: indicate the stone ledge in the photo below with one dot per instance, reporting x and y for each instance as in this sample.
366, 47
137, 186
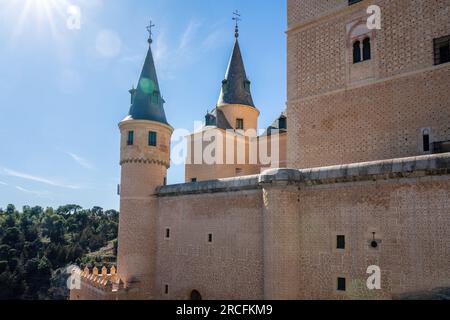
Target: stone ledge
428, 165
212, 186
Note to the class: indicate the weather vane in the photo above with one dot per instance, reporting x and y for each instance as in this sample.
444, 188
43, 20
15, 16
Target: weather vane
149, 29
237, 18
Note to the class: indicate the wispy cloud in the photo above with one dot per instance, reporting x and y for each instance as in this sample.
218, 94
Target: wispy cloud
189, 34
81, 161
170, 58
26, 176
3, 183
37, 193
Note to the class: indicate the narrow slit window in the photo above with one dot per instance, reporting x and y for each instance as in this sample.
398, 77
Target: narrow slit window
167, 233
426, 140
166, 289
210, 238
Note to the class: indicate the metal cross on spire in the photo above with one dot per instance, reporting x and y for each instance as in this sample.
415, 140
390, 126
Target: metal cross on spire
149, 29
237, 18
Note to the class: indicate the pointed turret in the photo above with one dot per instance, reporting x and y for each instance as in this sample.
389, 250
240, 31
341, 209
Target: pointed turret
236, 86
144, 159
147, 102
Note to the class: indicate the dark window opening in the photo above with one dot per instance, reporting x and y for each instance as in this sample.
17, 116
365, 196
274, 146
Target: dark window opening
341, 284
193, 179
350, 2
152, 137
210, 237
195, 295
356, 52
367, 55
442, 50
165, 181
224, 86
340, 242
155, 97
247, 85
167, 233
166, 289
239, 124
426, 142
282, 124
130, 140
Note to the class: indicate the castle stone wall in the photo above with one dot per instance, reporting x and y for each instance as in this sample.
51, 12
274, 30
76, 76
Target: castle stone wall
340, 112
231, 266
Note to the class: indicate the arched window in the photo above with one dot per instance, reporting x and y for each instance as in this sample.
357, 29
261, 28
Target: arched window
356, 52
195, 295
366, 49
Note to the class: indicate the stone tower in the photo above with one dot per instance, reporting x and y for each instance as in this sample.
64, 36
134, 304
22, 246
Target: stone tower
234, 111
144, 158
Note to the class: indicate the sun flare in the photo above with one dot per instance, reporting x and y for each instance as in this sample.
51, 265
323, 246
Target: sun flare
39, 13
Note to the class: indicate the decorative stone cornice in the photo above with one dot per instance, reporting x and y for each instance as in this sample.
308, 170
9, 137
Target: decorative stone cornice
429, 165
146, 161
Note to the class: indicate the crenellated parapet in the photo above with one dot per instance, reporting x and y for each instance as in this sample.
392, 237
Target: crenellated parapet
97, 284
102, 279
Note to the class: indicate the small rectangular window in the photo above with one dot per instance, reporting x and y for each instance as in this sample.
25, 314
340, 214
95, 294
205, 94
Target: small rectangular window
165, 181
340, 242
282, 125
152, 136
155, 97
166, 289
341, 286
210, 237
239, 124
193, 179
442, 50
130, 140
167, 233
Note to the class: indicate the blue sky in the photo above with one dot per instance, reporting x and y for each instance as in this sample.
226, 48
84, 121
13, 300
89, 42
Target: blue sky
63, 90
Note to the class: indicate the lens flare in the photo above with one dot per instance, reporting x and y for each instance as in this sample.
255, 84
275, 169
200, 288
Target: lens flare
35, 14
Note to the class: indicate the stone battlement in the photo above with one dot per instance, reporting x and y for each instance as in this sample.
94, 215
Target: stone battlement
108, 282
428, 165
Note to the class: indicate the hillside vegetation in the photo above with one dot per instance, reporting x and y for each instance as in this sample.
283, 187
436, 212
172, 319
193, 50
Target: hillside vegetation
37, 245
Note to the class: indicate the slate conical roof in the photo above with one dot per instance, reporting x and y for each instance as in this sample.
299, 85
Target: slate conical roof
236, 86
146, 101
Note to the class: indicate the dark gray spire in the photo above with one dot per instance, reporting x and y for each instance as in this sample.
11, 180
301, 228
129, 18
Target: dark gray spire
146, 101
236, 86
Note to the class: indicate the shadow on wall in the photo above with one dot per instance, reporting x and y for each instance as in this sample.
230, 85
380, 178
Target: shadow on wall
435, 294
